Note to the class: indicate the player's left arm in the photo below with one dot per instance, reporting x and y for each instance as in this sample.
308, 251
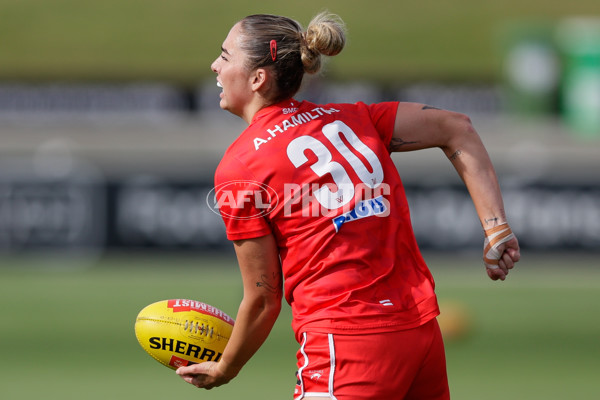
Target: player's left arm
419, 126
260, 267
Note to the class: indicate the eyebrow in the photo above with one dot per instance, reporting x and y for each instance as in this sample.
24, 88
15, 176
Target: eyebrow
224, 50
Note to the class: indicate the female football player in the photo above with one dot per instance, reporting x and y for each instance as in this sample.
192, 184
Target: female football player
317, 213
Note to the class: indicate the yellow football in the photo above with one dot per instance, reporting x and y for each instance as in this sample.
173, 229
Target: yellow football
182, 332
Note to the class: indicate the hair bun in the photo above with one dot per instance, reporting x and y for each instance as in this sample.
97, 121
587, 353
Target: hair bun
325, 34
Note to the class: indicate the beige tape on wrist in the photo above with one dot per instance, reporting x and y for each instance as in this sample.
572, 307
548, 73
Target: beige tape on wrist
494, 237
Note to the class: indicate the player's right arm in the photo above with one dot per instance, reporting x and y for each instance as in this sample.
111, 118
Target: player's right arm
260, 267
419, 126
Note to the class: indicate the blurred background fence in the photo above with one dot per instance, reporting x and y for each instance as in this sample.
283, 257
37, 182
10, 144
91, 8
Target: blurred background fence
110, 128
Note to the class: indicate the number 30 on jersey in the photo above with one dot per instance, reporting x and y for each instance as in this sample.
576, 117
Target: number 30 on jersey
325, 164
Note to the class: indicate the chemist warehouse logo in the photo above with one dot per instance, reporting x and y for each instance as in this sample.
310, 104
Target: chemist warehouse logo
242, 199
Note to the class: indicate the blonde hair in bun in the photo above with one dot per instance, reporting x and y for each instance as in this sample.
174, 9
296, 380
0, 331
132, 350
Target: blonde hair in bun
279, 43
325, 34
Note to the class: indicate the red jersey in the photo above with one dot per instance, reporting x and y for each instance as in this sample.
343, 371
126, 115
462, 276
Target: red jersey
320, 179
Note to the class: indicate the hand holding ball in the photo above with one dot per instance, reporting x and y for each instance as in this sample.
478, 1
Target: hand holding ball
181, 332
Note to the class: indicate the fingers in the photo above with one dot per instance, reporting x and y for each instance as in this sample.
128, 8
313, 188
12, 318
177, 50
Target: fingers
200, 381
187, 374
500, 271
192, 380
193, 369
501, 257
515, 254
198, 375
496, 273
506, 262
512, 248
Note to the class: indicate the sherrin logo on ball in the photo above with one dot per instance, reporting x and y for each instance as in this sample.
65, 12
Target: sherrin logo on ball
180, 332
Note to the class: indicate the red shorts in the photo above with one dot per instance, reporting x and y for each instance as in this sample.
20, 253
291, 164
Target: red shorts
408, 364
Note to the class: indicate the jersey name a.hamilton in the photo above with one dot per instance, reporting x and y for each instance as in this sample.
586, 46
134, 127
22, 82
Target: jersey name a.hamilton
321, 180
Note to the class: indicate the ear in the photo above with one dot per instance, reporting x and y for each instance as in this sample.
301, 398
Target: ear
258, 79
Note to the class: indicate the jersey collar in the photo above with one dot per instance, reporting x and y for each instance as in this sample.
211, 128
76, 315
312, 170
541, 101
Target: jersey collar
285, 106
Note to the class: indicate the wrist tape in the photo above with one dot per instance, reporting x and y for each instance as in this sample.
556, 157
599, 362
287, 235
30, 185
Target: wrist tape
494, 237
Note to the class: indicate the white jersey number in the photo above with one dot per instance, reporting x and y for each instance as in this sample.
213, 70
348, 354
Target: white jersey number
326, 165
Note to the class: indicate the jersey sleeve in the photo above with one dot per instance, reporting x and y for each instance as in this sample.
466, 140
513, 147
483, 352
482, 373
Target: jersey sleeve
243, 202
383, 116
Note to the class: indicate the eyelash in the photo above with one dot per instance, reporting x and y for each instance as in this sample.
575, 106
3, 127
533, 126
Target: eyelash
223, 57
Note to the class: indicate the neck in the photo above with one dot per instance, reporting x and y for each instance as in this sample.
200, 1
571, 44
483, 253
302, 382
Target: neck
253, 107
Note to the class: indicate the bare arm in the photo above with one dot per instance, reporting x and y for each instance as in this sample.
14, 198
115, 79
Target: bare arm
261, 275
419, 127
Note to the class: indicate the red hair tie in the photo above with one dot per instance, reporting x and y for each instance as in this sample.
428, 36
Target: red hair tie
273, 47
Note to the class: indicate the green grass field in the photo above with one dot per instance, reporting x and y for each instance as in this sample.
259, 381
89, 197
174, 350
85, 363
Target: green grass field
178, 39
67, 333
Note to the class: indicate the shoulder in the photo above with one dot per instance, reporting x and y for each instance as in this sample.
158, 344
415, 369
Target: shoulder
373, 111
230, 168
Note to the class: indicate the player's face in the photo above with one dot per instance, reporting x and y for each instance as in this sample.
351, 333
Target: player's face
232, 76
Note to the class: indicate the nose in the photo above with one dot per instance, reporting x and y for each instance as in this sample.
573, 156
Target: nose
214, 65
